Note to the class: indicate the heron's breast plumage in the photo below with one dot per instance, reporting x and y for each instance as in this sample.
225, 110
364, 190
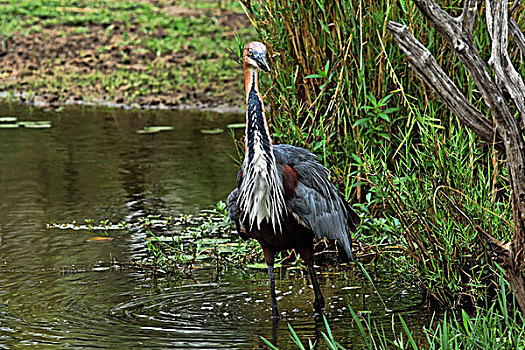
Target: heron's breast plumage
261, 193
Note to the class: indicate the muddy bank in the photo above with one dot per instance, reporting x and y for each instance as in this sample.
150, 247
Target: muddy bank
43, 102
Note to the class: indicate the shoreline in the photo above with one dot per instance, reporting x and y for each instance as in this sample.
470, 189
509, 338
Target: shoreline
38, 101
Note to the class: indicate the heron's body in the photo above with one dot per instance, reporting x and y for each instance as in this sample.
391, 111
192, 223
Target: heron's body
284, 197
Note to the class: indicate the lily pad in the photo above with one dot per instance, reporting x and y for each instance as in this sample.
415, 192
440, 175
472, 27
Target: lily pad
101, 268
8, 119
82, 227
212, 131
236, 125
154, 129
41, 124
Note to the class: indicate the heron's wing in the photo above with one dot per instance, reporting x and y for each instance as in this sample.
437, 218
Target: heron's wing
233, 212
316, 202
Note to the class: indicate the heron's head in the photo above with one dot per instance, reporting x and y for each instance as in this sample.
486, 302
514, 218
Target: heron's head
255, 56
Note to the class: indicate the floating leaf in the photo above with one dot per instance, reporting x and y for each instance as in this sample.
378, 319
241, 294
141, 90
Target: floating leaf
77, 227
100, 239
101, 268
261, 266
212, 131
42, 124
8, 120
236, 125
154, 129
6, 123
9, 126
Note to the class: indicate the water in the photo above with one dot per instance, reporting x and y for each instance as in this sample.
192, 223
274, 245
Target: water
57, 289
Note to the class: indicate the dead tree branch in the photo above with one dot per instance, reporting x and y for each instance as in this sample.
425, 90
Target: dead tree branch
426, 66
514, 29
497, 24
458, 34
517, 34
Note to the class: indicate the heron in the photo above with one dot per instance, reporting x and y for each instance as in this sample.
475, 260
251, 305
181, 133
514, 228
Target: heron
284, 197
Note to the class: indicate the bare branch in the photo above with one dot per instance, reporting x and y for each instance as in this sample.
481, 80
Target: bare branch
514, 29
450, 28
517, 34
469, 55
429, 70
499, 249
506, 74
468, 16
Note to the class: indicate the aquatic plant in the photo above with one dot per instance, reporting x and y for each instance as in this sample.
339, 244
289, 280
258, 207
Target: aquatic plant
495, 325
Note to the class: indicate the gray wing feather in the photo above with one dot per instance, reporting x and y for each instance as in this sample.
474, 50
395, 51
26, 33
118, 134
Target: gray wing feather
317, 203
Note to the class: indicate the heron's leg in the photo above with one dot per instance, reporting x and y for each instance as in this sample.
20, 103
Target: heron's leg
275, 310
307, 253
269, 256
319, 299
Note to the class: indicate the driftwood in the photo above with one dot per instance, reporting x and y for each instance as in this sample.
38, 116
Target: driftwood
504, 133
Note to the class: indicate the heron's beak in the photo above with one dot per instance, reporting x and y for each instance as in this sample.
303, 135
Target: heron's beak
261, 63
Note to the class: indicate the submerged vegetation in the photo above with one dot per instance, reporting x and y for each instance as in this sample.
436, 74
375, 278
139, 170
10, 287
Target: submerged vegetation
176, 245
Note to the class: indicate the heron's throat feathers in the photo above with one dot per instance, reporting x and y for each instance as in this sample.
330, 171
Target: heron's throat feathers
261, 190
251, 80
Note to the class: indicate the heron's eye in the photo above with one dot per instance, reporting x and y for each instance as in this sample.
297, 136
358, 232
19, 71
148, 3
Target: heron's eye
250, 52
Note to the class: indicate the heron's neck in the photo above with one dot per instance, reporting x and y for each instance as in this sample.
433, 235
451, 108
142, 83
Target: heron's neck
261, 190
257, 137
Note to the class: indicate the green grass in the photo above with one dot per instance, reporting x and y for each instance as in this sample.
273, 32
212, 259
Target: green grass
130, 51
25, 16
